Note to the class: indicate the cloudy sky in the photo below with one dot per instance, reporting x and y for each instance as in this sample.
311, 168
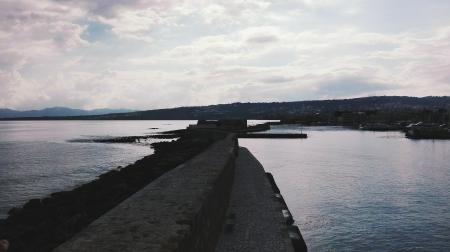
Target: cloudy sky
145, 54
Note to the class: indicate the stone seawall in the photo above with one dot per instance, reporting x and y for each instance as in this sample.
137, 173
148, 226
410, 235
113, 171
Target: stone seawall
172, 213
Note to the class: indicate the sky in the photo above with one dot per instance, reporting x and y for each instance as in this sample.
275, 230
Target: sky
147, 54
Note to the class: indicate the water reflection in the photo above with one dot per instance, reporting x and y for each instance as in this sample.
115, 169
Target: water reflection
37, 159
356, 190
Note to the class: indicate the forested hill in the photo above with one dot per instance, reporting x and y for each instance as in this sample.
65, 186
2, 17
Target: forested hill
277, 110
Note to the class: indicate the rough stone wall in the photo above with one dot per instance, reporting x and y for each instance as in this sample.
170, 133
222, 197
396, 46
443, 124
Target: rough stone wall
183, 210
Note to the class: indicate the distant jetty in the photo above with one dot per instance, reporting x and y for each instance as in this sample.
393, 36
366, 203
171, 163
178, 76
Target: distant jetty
272, 135
242, 129
237, 126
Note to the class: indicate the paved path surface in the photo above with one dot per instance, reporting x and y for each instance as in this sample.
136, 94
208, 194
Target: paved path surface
255, 221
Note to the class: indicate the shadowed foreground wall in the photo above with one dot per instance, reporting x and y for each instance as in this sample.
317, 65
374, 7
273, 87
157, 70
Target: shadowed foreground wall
183, 210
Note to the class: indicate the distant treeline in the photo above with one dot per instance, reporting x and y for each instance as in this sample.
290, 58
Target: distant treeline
344, 111
400, 117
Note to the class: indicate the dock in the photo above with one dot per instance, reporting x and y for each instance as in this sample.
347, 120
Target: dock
220, 200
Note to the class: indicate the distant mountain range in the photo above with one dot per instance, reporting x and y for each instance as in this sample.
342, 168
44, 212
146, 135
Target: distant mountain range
57, 111
273, 110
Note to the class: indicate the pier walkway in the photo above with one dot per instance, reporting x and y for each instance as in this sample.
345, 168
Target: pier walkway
216, 201
254, 220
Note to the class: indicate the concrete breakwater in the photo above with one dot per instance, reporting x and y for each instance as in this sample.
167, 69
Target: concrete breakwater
187, 208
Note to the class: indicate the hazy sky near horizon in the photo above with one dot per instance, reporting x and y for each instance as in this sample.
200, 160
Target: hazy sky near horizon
145, 54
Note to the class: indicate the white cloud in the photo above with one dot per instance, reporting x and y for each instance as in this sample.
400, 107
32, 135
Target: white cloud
155, 53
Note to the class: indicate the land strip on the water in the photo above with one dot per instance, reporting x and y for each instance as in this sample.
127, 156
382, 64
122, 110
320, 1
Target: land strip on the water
418, 117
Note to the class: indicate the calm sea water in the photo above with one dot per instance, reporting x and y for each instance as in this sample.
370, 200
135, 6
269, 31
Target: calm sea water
37, 157
348, 190
362, 191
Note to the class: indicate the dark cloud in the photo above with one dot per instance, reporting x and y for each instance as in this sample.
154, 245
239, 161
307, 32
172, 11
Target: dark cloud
351, 86
110, 8
277, 79
263, 39
11, 61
